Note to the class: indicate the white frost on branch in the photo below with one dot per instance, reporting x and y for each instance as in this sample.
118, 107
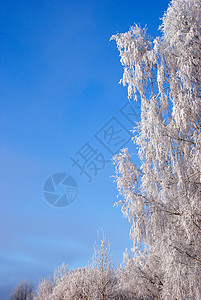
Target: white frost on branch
162, 198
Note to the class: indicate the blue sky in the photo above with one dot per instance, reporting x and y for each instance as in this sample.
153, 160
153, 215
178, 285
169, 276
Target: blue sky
59, 87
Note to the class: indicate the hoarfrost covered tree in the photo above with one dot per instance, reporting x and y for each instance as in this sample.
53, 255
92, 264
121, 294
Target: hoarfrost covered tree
48, 288
105, 280
126, 277
74, 284
80, 284
67, 285
162, 196
97, 281
44, 290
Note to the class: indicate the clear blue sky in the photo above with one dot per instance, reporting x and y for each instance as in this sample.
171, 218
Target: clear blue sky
59, 86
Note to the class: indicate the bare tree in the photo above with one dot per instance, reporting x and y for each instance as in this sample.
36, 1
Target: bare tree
23, 291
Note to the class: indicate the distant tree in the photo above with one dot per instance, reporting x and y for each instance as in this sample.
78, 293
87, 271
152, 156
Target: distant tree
23, 291
105, 282
44, 290
97, 281
80, 284
162, 197
74, 284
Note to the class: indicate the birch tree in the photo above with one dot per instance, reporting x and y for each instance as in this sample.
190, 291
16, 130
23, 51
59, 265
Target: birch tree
161, 197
